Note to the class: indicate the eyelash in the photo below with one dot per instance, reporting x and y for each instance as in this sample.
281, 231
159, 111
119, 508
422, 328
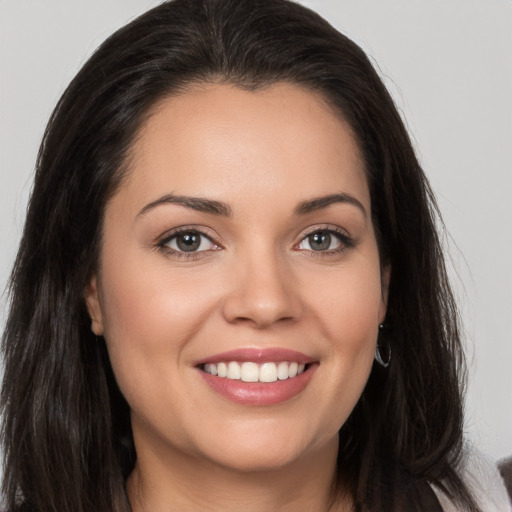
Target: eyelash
192, 255
346, 242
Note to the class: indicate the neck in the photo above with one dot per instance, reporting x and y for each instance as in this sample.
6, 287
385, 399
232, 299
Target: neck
192, 484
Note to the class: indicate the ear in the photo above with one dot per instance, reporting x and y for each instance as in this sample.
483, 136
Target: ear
385, 276
92, 301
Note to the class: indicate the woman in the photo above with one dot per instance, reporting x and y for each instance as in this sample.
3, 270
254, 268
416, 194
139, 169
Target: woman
230, 293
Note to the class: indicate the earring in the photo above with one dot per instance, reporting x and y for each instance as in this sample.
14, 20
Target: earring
380, 348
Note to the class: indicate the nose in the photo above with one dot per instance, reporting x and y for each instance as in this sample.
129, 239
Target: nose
263, 293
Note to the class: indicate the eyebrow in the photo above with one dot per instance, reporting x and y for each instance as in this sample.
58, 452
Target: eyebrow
318, 203
219, 208
195, 203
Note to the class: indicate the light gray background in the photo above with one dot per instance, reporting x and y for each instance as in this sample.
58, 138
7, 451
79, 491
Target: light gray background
448, 64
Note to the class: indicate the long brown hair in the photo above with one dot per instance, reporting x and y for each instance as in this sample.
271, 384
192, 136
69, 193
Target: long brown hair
66, 431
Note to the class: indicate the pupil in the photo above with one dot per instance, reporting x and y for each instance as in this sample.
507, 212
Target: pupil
320, 241
188, 242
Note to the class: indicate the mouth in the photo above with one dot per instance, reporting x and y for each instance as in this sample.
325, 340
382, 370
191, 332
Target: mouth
250, 371
256, 376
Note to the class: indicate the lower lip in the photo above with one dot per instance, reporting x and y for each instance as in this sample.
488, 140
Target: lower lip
259, 393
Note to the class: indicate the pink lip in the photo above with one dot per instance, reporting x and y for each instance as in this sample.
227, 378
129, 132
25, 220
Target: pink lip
258, 393
257, 355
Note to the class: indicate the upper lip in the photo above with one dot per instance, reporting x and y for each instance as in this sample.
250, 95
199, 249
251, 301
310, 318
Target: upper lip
257, 355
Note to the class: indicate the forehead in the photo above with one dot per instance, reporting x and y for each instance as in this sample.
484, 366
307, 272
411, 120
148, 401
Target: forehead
221, 141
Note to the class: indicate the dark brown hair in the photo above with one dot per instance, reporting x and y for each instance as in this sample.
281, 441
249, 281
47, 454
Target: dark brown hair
66, 431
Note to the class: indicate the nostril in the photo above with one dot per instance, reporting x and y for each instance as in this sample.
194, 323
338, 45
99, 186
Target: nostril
261, 294
258, 313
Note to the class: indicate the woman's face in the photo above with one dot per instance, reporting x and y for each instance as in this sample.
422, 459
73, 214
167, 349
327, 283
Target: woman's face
240, 249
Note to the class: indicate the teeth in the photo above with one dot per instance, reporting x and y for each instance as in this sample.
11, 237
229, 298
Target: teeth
249, 372
208, 368
222, 370
282, 371
233, 371
253, 372
268, 372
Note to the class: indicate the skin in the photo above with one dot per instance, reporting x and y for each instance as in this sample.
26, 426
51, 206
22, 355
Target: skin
257, 283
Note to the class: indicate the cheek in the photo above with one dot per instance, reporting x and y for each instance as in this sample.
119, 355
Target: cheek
347, 307
153, 305
348, 304
150, 318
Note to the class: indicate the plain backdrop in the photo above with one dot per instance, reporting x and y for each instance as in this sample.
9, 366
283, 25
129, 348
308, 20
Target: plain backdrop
447, 63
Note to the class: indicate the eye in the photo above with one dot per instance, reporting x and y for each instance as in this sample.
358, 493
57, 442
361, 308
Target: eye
324, 240
189, 241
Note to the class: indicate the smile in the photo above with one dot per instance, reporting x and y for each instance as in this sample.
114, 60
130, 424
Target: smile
254, 372
256, 376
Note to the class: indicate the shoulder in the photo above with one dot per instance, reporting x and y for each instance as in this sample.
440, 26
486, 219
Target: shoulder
505, 467
485, 482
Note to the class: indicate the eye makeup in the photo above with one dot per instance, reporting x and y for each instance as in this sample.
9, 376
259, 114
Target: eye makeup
187, 242
326, 240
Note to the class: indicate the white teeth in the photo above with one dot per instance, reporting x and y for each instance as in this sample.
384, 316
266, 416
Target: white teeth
253, 372
210, 368
222, 370
282, 371
249, 372
233, 371
268, 372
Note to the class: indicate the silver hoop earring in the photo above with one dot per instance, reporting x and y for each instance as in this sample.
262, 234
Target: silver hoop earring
383, 351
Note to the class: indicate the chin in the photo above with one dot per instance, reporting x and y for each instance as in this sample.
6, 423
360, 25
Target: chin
254, 461
266, 453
